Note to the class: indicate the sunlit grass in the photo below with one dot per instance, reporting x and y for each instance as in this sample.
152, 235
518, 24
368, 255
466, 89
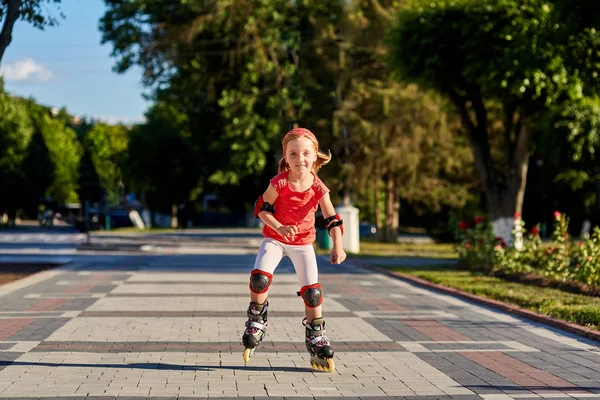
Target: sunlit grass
426, 250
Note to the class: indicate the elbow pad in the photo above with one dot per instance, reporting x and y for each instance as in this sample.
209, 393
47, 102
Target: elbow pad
261, 205
334, 221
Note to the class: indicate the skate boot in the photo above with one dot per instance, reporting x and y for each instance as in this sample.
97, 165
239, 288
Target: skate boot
256, 327
318, 345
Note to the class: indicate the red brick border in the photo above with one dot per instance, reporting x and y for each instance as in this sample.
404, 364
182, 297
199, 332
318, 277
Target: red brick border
557, 323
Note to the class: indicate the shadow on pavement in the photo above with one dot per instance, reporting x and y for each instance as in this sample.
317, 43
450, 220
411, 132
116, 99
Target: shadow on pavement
158, 366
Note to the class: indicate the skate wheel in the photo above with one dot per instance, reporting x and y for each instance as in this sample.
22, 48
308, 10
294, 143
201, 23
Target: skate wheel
247, 354
330, 365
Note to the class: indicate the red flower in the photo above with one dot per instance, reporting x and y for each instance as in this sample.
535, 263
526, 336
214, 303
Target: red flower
467, 245
517, 215
590, 258
478, 219
556, 215
501, 241
580, 244
464, 225
535, 231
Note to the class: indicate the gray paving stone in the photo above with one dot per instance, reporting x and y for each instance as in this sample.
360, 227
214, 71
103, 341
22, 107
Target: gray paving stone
123, 359
38, 330
7, 358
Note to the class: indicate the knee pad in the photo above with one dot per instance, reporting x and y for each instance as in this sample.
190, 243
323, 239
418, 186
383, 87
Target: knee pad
312, 295
260, 281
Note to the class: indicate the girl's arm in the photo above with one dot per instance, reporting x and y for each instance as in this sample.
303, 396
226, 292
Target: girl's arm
287, 232
338, 255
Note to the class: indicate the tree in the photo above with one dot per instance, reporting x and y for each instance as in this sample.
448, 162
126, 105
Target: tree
408, 151
501, 63
15, 135
65, 153
395, 138
32, 11
107, 147
161, 163
239, 58
567, 141
240, 71
53, 168
38, 172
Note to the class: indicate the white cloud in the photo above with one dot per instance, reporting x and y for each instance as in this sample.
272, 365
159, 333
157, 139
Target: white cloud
112, 120
25, 70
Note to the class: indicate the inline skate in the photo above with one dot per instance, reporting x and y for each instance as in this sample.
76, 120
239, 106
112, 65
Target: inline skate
318, 345
256, 328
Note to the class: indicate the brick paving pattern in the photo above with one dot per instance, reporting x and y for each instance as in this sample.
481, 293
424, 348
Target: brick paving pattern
169, 326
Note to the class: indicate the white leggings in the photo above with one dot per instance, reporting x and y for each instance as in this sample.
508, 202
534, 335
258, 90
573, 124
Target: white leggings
303, 257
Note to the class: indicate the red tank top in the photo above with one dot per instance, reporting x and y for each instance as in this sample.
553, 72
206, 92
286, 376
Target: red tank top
296, 208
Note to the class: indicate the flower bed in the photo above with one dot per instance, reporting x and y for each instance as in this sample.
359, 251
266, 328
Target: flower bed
563, 263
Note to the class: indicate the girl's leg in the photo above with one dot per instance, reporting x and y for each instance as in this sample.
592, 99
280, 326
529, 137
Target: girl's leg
317, 343
307, 272
268, 258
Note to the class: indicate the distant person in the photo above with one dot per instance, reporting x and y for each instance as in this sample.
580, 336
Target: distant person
287, 209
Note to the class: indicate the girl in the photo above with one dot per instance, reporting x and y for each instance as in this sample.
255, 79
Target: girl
287, 209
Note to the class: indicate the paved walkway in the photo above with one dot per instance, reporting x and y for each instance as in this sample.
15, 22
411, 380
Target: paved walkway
167, 326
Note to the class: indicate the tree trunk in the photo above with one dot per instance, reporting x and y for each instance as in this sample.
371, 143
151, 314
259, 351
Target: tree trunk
174, 222
505, 189
12, 14
504, 200
392, 207
378, 211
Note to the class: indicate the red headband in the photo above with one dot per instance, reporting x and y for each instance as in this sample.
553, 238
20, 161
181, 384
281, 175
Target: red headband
301, 132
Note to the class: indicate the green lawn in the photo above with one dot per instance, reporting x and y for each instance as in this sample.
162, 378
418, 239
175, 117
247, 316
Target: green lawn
426, 250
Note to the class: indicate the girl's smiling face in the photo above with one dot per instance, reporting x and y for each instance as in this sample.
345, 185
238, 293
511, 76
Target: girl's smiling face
300, 155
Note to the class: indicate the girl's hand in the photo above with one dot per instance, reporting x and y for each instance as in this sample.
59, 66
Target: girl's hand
288, 232
338, 255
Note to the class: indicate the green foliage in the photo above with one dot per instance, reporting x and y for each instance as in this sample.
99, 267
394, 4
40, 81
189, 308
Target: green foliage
39, 155
476, 244
391, 137
568, 139
455, 46
161, 161
16, 132
587, 260
65, 154
232, 72
558, 257
36, 12
39, 174
55, 148
561, 260
502, 64
404, 132
107, 146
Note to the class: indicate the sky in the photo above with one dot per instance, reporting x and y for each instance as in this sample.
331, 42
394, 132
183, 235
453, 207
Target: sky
66, 66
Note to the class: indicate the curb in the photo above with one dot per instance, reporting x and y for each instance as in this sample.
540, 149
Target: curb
557, 323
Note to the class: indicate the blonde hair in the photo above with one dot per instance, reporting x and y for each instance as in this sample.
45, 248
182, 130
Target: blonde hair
297, 133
